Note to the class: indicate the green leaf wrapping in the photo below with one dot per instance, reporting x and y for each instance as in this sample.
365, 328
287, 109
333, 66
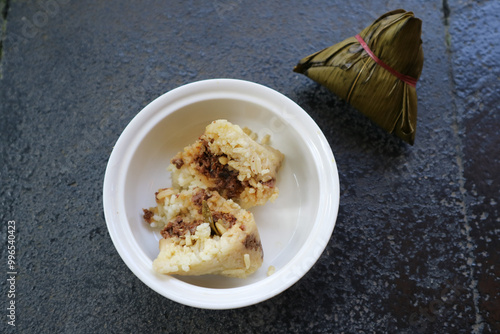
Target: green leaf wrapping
348, 70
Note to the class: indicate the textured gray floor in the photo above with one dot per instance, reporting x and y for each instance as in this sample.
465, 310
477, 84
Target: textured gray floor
416, 245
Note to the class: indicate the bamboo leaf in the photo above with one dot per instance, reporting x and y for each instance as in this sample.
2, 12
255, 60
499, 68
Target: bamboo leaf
348, 70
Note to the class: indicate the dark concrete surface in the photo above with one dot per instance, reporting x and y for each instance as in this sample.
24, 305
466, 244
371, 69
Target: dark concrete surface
416, 245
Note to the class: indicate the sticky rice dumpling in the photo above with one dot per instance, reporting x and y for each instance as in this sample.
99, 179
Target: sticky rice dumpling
227, 159
204, 233
376, 71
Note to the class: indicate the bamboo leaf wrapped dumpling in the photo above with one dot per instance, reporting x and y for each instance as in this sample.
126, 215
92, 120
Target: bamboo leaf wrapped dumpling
376, 71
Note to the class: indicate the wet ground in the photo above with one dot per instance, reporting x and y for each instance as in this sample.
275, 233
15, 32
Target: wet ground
416, 244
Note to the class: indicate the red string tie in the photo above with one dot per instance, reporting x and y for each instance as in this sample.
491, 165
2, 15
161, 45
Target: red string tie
405, 78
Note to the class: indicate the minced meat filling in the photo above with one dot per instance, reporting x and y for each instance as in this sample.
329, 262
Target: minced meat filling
148, 215
271, 183
179, 227
251, 242
226, 180
178, 162
228, 219
198, 199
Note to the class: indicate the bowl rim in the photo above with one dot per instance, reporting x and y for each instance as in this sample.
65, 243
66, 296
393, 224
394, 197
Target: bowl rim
234, 297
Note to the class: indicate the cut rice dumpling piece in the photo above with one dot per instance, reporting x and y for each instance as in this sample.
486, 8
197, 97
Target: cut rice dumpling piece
227, 159
376, 71
203, 233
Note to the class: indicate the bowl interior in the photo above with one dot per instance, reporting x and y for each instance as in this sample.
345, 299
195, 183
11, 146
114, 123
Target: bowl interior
284, 225
294, 229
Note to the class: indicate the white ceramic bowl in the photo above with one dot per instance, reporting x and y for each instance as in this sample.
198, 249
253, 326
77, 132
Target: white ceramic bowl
294, 229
